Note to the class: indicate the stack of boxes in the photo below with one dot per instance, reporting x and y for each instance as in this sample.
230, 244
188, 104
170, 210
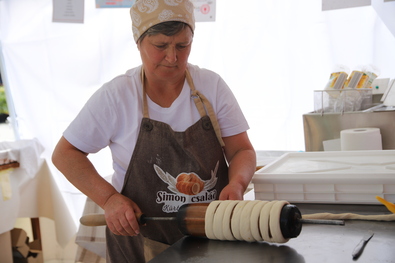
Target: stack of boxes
24, 251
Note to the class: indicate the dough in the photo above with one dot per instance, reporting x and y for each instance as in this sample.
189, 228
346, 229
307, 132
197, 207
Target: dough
209, 219
264, 220
260, 220
245, 222
254, 220
274, 223
345, 216
218, 219
226, 221
235, 221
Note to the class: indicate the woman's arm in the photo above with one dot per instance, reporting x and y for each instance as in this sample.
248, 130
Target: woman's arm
77, 168
242, 164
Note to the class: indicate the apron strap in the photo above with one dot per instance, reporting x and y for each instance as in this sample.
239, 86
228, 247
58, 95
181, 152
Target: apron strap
145, 103
202, 104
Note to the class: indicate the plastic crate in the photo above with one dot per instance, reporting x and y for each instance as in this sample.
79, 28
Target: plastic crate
352, 177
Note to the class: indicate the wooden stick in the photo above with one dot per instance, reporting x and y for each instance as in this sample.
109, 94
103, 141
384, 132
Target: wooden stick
12, 164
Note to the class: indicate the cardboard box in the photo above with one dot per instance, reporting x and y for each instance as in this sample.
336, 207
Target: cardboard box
35, 254
35, 257
18, 237
24, 250
5, 247
20, 240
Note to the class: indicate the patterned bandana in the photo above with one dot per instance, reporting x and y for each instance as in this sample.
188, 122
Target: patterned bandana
147, 13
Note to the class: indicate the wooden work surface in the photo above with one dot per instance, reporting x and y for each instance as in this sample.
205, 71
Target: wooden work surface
316, 243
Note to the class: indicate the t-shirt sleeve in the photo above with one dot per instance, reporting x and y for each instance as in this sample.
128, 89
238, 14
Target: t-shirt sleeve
230, 116
228, 112
92, 129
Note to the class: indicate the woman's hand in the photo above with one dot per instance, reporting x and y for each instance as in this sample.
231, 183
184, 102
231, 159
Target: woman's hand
232, 192
121, 215
120, 211
242, 164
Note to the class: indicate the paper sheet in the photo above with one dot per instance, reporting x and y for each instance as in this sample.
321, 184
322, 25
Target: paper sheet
6, 190
204, 9
114, 3
68, 11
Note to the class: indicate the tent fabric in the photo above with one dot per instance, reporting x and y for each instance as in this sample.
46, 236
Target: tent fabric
273, 55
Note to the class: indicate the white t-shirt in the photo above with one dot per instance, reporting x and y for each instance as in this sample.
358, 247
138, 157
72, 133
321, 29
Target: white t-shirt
112, 116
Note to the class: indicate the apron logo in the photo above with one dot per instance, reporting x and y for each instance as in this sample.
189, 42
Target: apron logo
186, 188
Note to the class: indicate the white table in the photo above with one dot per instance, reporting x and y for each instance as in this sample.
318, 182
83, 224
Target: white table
34, 192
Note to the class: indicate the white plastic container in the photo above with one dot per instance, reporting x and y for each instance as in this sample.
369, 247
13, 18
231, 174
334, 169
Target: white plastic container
353, 177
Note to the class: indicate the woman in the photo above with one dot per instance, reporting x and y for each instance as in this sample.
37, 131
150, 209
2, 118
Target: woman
176, 133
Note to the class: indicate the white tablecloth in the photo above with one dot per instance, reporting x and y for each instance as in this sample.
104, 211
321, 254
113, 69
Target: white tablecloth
90, 238
34, 192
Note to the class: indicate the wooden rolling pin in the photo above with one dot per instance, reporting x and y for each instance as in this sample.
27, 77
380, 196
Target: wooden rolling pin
191, 220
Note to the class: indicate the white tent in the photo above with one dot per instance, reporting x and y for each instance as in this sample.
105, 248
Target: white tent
273, 54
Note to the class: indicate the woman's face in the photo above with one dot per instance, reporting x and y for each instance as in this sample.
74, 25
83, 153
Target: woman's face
165, 58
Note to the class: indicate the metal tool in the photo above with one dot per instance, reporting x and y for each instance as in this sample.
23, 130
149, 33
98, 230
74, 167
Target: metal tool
322, 222
143, 219
100, 220
361, 245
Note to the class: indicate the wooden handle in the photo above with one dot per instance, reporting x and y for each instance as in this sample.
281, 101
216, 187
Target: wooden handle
93, 220
100, 220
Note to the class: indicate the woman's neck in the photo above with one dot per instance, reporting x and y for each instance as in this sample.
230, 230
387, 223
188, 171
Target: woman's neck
163, 93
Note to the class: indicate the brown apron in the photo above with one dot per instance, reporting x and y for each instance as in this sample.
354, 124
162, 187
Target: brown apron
167, 170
